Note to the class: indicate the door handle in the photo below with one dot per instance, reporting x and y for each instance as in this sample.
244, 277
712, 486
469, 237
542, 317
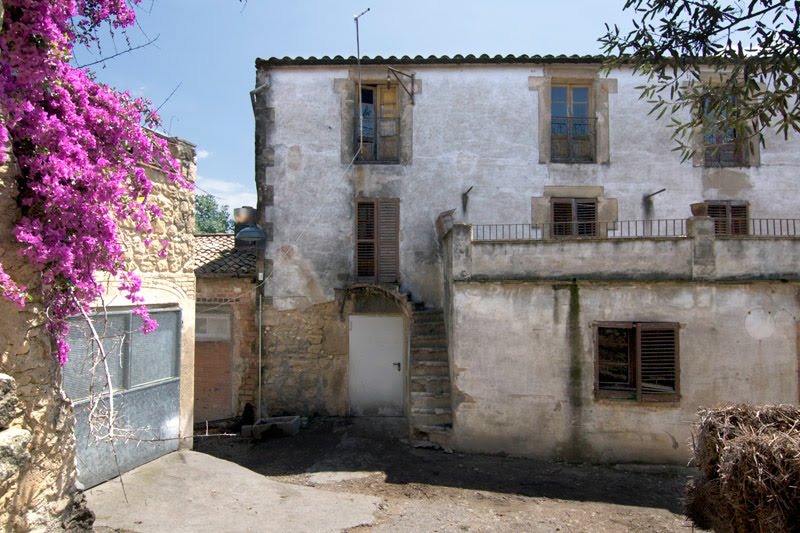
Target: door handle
397, 365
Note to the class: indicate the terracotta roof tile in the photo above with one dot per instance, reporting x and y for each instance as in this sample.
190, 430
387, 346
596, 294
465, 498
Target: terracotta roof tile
214, 255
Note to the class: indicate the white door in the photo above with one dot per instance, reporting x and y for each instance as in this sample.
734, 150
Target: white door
377, 365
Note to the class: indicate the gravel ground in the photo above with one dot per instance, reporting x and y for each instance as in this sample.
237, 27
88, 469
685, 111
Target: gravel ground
426, 490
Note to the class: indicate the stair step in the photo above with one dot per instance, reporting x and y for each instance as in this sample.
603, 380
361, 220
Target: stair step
430, 368
429, 354
440, 418
431, 410
430, 400
428, 341
433, 384
439, 429
429, 328
424, 317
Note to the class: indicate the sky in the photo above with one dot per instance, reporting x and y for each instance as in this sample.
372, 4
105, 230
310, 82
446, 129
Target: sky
201, 67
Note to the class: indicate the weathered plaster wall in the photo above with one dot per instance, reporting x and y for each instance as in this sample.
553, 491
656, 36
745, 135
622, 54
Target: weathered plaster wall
473, 126
239, 296
522, 362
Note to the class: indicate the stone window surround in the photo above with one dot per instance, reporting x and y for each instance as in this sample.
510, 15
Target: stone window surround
541, 206
572, 75
347, 89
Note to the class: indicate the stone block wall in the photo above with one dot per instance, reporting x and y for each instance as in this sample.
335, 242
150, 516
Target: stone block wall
239, 296
37, 494
306, 361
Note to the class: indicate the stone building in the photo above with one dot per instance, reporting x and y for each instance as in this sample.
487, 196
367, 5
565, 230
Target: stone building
501, 250
226, 335
152, 374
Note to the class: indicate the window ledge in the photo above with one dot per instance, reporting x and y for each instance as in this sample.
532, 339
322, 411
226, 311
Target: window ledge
671, 404
377, 163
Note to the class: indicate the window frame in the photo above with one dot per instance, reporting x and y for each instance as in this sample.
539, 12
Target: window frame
636, 393
729, 225
382, 118
591, 123
575, 223
721, 153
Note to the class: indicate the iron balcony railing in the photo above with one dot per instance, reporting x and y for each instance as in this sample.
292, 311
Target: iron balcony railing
630, 229
572, 139
623, 229
760, 227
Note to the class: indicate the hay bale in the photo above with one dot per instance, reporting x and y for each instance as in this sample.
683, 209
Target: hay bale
749, 458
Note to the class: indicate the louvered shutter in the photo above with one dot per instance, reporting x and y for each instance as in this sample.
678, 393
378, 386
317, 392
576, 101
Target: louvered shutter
365, 241
388, 240
377, 240
562, 218
739, 218
586, 218
719, 213
658, 371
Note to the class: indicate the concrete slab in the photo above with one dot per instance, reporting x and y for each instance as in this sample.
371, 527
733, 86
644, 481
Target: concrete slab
193, 492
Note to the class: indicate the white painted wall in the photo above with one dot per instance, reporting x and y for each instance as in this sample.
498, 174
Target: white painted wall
473, 126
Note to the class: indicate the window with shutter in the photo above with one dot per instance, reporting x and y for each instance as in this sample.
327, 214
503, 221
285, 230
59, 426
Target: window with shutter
730, 218
574, 217
637, 361
377, 240
377, 124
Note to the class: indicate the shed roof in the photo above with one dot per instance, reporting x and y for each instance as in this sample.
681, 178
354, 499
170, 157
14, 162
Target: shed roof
215, 255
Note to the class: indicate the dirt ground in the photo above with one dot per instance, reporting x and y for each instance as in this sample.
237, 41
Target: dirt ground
432, 491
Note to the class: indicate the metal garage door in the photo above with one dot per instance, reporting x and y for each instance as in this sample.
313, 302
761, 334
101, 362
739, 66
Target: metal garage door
144, 373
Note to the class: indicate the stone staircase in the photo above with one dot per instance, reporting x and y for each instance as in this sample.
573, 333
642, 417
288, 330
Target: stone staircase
431, 419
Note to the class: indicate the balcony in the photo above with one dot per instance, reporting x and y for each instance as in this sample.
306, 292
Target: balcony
636, 250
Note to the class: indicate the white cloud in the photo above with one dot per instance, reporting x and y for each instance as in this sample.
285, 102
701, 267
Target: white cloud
202, 154
228, 193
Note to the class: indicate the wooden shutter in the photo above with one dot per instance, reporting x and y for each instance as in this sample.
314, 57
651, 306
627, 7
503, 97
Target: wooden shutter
574, 217
729, 218
562, 217
365, 240
388, 124
388, 240
377, 240
586, 218
658, 370
739, 217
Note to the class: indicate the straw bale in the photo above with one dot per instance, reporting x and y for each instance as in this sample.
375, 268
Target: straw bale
749, 458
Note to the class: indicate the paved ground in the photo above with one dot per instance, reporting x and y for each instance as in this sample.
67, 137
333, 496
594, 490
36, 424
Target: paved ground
194, 492
339, 475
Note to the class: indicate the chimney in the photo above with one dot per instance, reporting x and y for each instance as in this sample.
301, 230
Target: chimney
243, 217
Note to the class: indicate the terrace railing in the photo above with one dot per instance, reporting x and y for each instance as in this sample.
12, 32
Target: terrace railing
621, 229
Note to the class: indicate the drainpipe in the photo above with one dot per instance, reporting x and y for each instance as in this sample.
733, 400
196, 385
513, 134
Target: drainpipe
260, 341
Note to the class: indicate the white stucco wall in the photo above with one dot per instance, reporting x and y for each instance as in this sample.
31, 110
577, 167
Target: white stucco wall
522, 363
473, 126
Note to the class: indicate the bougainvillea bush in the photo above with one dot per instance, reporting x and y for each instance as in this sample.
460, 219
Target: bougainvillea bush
80, 146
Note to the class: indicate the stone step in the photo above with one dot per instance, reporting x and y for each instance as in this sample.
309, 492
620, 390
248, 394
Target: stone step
438, 429
428, 354
428, 341
431, 417
435, 384
428, 315
430, 368
430, 400
429, 328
